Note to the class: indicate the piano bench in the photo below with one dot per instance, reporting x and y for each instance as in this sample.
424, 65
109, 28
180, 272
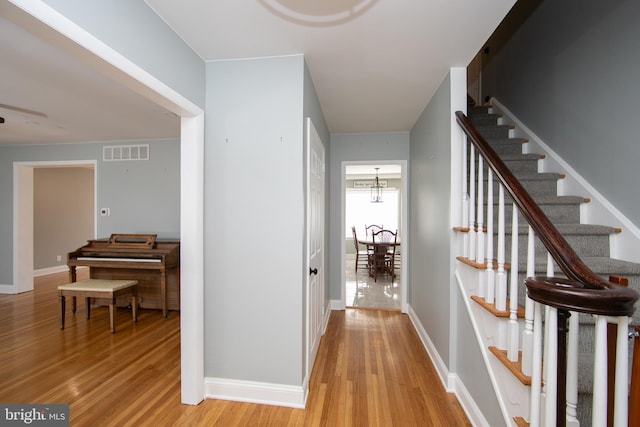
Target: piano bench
101, 289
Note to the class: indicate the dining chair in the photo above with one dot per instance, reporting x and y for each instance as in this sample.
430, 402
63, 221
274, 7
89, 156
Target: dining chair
384, 243
370, 229
362, 256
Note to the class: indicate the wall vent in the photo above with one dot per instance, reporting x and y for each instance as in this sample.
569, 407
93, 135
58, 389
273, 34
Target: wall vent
114, 153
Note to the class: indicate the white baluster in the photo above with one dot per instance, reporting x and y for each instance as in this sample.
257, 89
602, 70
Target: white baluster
536, 372
465, 200
501, 277
472, 203
482, 285
550, 266
527, 334
491, 273
599, 414
621, 408
550, 366
572, 371
512, 351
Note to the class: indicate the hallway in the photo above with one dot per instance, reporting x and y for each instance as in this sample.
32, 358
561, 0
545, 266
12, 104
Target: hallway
371, 370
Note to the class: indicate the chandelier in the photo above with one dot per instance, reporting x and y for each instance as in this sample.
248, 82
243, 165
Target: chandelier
376, 190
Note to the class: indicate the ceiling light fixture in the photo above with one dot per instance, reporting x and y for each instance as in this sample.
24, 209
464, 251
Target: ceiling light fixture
376, 190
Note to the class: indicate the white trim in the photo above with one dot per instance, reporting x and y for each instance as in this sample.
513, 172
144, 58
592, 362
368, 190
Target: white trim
498, 373
7, 289
191, 175
255, 392
475, 415
115, 64
23, 271
22, 228
337, 304
599, 210
50, 270
55, 270
325, 321
192, 259
432, 351
404, 234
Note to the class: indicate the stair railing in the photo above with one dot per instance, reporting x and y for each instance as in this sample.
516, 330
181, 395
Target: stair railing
554, 395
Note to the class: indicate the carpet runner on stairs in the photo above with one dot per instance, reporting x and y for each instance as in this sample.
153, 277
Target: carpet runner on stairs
591, 242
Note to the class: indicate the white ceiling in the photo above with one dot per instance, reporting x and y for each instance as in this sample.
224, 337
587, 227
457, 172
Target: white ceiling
374, 63
69, 101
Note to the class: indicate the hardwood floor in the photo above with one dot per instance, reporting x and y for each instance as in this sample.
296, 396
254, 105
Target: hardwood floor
371, 370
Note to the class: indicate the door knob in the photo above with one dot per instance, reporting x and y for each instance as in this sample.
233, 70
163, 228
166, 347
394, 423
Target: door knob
313, 271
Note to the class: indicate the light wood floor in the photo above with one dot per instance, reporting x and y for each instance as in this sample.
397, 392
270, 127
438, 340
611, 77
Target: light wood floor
371, 370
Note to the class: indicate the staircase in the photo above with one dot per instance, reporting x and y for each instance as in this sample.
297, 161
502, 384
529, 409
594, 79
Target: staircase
590, 241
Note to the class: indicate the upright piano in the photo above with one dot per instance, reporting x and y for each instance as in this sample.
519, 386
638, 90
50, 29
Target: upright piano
154, 263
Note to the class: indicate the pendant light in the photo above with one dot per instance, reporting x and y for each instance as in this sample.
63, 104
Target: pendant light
376, 190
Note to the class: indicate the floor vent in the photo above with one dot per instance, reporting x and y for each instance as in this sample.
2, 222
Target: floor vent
112, 153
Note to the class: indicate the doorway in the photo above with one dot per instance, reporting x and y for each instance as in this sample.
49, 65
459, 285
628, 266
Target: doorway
359, 208
24, 216
63, 32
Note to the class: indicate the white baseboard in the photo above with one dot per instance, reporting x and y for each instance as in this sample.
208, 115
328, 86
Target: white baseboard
325, 320
476, 418
7, 289
50, 270
441, 367
255, 392
450, 380
336, 304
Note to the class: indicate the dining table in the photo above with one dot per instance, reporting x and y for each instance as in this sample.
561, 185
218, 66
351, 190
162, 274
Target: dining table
379, 252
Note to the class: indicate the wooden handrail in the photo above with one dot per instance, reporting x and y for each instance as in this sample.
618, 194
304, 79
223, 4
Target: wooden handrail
582, 290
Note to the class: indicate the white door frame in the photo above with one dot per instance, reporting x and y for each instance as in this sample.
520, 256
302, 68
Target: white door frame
113, 64
23, 217
310, 353
404, 235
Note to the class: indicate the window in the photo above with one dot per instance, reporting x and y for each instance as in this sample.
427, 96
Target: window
360, 211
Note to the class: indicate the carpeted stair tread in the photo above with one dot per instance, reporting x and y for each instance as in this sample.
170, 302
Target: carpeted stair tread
537, 185
504, 146
495, 131
478, 110
486, 119
603, 266
540, 176
519, 157
514, 140
570, 229
550, 200
591, 242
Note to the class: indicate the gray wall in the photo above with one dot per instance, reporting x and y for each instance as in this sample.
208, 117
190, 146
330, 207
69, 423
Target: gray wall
570, 73
144, 196
354, 147
434, 295
63, 215
133, 29
429, 200
254, 219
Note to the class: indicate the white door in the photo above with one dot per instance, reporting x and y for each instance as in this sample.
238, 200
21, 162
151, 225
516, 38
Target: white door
315, 242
